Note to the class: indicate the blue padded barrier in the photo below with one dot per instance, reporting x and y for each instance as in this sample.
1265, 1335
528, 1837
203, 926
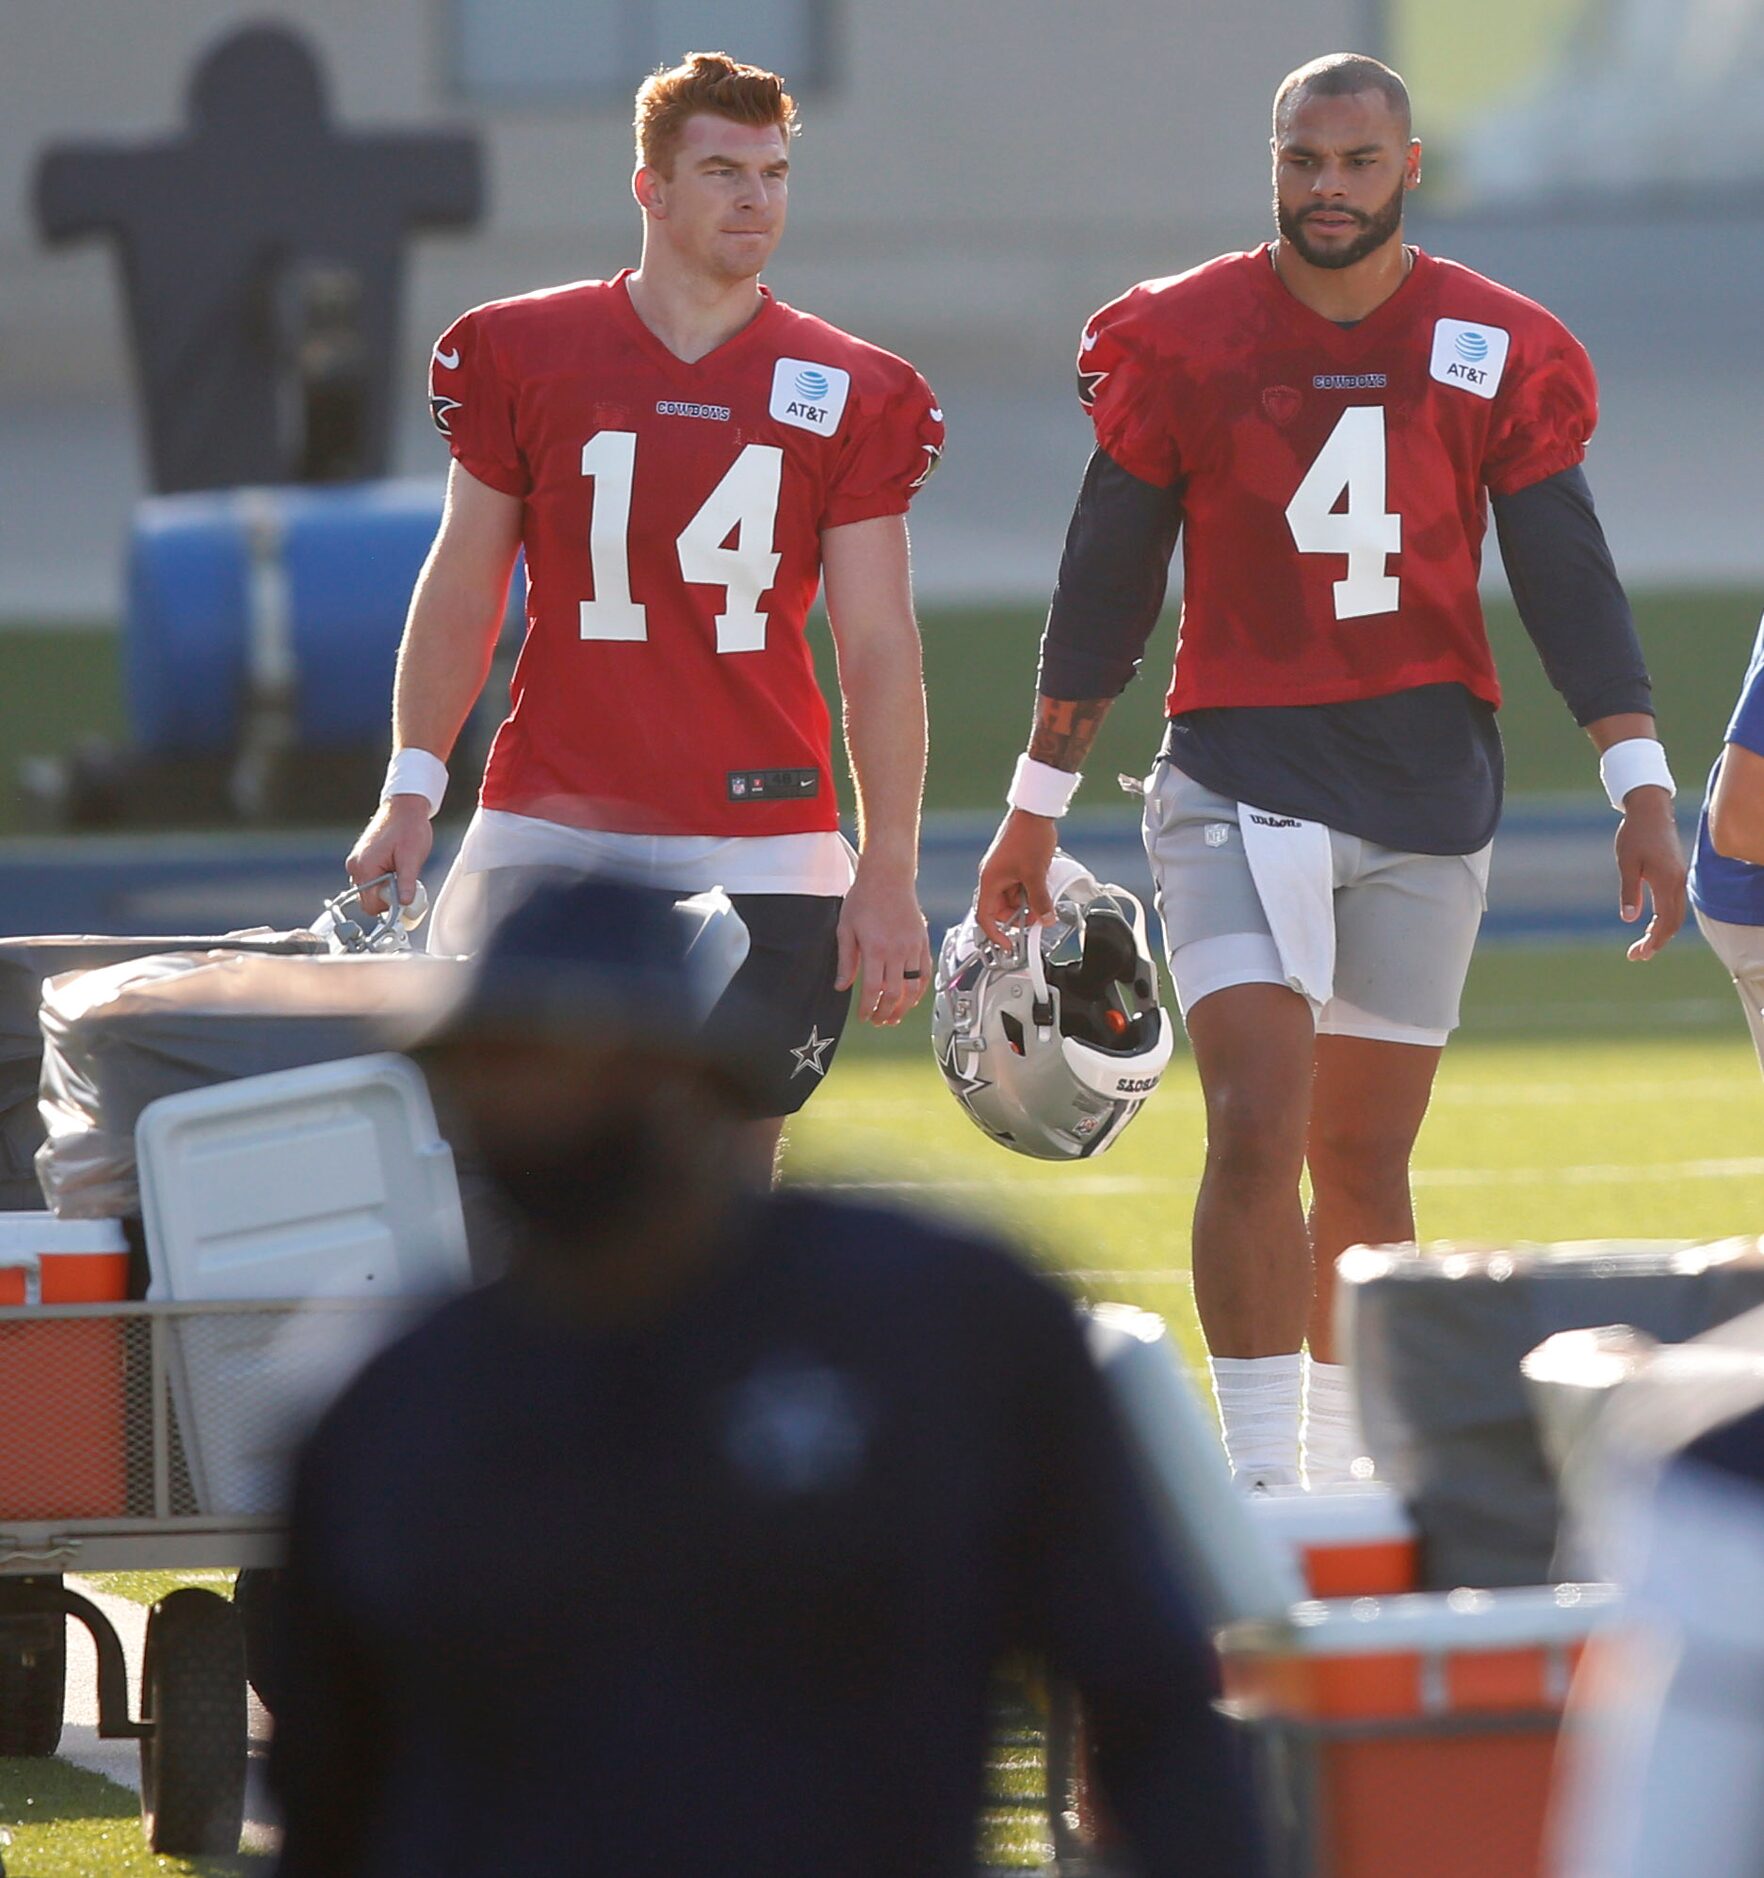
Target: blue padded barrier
338, 563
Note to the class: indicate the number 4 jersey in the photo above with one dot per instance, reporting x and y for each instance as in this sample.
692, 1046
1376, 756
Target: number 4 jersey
1334, 479
672, 522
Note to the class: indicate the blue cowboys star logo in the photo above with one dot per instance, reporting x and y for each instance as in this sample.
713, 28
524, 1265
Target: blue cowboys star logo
809, 1056
962, 1082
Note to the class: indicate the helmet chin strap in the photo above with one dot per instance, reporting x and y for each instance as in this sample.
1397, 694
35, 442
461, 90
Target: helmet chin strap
1042, 1007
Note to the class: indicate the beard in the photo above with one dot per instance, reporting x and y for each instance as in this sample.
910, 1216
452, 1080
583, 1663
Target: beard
1374, 231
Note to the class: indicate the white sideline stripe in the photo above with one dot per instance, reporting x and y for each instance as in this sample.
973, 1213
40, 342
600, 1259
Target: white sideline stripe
1152, 1275
1563, 1016
1591, 1175
1743, 1083
1742, 1168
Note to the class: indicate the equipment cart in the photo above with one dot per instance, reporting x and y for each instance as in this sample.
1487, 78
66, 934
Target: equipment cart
154, 1437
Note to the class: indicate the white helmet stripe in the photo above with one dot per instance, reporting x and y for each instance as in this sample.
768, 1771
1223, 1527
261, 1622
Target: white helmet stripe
1132, 1076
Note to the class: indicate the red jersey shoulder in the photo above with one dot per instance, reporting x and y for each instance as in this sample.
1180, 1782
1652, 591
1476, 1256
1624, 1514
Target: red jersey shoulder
524, 330
877, 377
1539, 383
1160, 320
881, 419
1461, 290
1135, 354
479, 362
1498, 336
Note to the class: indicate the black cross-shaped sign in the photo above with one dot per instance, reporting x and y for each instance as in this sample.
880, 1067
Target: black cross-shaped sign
217, 229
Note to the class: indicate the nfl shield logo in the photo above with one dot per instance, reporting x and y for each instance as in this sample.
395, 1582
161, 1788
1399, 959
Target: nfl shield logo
1281, 403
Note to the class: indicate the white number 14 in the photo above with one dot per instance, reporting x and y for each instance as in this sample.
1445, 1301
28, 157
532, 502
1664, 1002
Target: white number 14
744, 503
1352, 460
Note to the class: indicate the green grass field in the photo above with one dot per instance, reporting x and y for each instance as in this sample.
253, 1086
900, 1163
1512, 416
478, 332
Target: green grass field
58, 687
1585, 1097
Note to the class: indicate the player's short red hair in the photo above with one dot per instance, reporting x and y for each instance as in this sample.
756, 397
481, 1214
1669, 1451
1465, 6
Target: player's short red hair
706, 81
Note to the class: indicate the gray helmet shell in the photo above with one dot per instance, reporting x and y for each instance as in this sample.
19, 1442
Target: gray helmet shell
1015, 1035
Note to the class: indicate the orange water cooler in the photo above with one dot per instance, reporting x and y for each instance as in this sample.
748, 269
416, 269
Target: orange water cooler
1413, 1736
1348, 1541
63, 1378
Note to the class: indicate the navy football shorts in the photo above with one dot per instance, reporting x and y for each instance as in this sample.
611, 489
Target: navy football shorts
781, 1013
791, 1017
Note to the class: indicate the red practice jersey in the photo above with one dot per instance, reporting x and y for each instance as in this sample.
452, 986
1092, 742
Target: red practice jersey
672, 524
1334, 479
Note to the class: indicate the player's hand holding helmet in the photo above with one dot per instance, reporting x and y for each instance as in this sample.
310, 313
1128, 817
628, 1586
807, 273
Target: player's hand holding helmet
1053, 1045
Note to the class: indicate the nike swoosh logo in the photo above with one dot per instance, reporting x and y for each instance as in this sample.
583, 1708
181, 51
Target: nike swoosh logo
449, 359
936, 415
1087, 342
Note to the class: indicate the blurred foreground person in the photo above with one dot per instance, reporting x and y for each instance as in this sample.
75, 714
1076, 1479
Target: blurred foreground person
690, 1546
1664, 1773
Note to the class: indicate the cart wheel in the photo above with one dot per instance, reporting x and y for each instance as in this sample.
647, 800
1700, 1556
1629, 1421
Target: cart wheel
1085, 1843
33, 1681
1065, 1808
193, 1692
254, 1597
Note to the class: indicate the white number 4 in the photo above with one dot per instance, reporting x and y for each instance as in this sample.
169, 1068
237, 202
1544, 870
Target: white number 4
744, 504
1352, 461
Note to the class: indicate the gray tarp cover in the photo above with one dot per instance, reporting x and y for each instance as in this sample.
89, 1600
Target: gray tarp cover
1436, 1342
24, 964
119, 1037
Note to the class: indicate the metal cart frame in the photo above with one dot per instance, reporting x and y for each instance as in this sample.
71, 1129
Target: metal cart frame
143, 1383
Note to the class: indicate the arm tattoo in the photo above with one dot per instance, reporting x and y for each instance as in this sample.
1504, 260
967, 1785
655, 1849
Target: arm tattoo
1065, 728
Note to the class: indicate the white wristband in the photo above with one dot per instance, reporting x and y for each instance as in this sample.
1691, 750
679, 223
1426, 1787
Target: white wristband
414, 772
1040, 789
1635, 763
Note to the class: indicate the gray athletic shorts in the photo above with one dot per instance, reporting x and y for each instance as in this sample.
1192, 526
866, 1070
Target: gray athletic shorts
1405, 924
1741, 950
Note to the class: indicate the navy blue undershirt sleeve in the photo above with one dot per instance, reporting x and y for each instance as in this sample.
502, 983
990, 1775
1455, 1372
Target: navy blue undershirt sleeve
1110, 590
1568, 595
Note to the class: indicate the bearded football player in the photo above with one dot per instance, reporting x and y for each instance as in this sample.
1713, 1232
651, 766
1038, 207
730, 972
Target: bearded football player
1325, 422
684, 459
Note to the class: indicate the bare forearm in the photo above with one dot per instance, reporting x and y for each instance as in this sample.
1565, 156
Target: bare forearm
444, 658
1065, 728
882, 680
885, 742
1619, 728
455, 615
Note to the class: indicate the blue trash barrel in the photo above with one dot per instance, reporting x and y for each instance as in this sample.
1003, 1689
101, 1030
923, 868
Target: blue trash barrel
320, 577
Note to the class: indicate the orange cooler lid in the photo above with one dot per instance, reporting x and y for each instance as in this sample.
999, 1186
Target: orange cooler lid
75, 1261
1424, 1654
1352, 1540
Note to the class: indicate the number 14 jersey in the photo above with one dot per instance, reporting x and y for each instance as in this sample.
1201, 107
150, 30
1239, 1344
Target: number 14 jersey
1333, 479
672, 521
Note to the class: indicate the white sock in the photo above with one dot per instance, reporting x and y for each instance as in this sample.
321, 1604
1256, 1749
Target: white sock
1259, 1407
1331, 1441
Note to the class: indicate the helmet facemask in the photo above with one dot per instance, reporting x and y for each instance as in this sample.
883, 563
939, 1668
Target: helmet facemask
1053, 1045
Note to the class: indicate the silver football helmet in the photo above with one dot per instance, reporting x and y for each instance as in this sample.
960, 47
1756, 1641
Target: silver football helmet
1053, 1045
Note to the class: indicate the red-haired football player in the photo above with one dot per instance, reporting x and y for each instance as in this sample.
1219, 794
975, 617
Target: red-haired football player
684, 459
1325, 421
